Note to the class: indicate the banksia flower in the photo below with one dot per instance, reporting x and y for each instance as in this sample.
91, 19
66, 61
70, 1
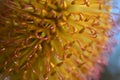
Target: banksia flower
53, 39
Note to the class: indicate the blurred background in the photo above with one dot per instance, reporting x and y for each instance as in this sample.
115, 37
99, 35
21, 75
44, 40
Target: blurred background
112, 71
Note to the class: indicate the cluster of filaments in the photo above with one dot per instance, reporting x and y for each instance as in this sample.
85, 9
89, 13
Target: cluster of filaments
52, 39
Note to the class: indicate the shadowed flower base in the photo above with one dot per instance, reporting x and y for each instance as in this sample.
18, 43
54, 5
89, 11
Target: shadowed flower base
53, 39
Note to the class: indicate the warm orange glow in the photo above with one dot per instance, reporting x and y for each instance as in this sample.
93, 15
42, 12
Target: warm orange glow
52, 39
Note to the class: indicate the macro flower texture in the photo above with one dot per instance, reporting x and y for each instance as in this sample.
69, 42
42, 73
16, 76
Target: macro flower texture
53, 39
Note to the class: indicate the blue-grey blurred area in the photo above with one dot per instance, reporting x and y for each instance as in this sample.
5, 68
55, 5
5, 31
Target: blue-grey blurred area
112, 71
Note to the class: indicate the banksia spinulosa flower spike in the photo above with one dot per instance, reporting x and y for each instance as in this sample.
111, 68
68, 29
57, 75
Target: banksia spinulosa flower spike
52, 39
